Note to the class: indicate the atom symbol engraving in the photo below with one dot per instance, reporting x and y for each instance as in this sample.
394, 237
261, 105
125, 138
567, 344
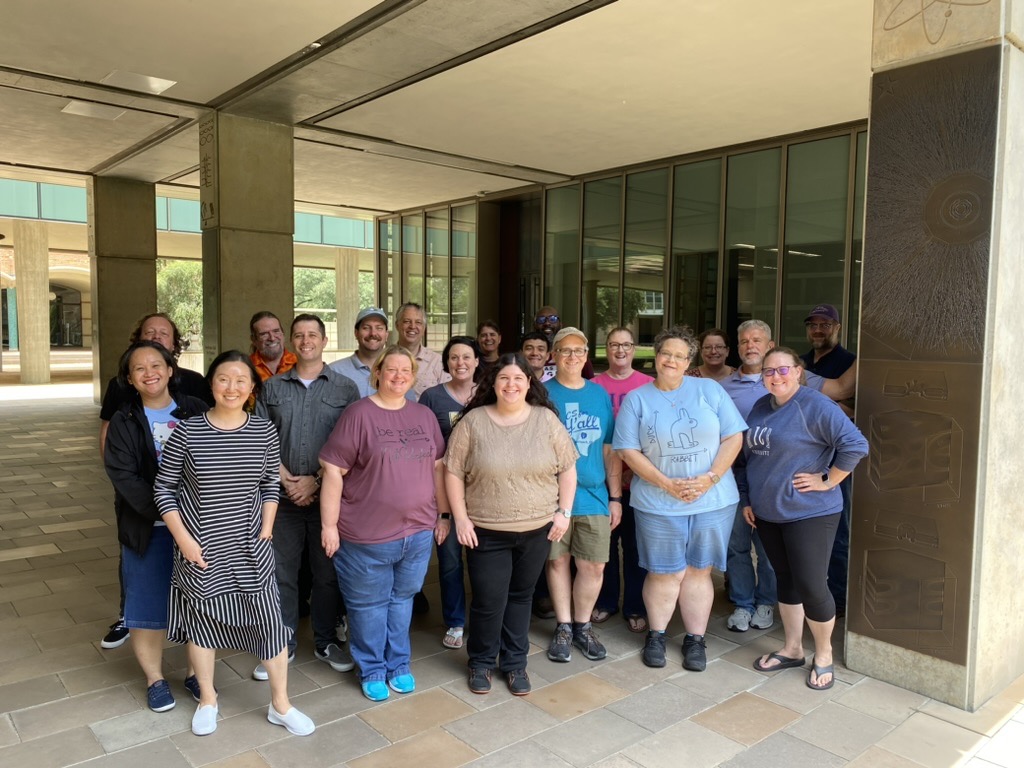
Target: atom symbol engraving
934, 20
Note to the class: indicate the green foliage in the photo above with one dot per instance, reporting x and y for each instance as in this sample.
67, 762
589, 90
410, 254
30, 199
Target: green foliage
179, 293
607, 310
315, 291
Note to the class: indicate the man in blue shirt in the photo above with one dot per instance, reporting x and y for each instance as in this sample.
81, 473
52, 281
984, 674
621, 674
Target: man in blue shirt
586, 412
371, 336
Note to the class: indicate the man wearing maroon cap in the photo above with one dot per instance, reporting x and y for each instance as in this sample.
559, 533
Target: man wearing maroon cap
830, 360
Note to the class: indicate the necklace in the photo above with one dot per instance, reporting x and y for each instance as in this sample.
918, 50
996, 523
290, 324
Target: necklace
675, 394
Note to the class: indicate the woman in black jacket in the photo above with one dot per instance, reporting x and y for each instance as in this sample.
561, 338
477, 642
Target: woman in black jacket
135, 439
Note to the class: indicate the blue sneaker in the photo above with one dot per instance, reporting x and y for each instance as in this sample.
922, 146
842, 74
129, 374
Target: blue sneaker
375, 690
402, 683
159, 697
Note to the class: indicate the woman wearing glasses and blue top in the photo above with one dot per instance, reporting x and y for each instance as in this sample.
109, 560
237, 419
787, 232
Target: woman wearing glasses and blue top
680, 436
799, 447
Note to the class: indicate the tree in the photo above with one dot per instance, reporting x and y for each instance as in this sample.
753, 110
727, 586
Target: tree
606, 311
315, 291
179, 293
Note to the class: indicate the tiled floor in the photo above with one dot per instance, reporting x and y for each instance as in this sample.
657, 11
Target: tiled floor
64, 701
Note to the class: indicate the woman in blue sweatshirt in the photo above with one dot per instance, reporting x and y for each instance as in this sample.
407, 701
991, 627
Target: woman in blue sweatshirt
799, 445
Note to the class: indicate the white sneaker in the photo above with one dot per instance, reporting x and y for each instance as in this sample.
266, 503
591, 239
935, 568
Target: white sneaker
294, 721
763, 618
260, 673
204, 721
739, 621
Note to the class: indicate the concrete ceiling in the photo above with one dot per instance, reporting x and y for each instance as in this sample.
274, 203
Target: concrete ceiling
408, 102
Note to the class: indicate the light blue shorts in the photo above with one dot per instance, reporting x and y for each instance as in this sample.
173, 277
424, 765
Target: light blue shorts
670, 544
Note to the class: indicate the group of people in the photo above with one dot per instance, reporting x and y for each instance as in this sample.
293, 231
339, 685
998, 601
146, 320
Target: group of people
515, 466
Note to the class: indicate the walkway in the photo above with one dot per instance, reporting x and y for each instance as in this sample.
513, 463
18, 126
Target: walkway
64, 701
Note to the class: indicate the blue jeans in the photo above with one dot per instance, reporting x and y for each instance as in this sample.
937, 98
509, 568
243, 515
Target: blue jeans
839, 565
378, 581
449, 576
744, 590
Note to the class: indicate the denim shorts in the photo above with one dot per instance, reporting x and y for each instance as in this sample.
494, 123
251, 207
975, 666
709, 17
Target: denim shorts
147, 581
672, 543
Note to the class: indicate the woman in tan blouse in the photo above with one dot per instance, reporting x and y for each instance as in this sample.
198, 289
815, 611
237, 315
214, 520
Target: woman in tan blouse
511, 477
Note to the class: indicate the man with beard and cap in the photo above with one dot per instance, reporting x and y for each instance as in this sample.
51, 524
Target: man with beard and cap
829, 359
268, 353
549, 322
371, 333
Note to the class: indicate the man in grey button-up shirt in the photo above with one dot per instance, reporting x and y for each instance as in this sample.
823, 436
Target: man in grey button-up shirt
304, 404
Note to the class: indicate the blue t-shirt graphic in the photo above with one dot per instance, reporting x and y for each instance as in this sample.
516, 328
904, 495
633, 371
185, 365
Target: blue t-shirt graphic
586, 414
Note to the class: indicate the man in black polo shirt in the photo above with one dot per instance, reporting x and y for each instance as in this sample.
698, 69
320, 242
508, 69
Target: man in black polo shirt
830, 360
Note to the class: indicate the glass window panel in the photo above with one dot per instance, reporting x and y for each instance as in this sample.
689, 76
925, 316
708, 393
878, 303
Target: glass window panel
307, 228
316, 292
412, 258
562, 254
438, 285
62, 203
817, 189
18, 198
351, 233
751, 237
183, 215
853, 320
161, 213
602, 261
464, 264
646, 239
387, 288
696, 213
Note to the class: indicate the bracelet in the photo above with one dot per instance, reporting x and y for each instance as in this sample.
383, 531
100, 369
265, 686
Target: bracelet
445, 516
317, 479
614, 498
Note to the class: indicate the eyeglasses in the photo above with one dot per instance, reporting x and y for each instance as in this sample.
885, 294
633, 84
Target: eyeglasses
782, 370
625, 346
714, 348
675, 358
819, 326
572, 352
547, 318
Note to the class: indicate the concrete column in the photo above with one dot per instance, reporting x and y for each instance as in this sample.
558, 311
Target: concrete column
122, 255
346, 271
32, 277
248, 217
935, 567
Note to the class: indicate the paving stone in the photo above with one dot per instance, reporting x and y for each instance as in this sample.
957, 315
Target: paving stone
233, 736
660, 706
48, 661
73, 746
332, 744
144, 725
931, 741
575, 696
781, 749
406, 716
29, 693
431, 749
702, 748
73, 712
591, 737
523, 755
746, 718
495, 728
155, 754
839, 730
881, 700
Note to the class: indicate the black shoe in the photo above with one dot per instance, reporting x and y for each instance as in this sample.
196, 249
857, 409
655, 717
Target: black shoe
654, 649
543, 608
695, 657
560, 648
583, 637
420, 604
116, 636
480, 680
518, 682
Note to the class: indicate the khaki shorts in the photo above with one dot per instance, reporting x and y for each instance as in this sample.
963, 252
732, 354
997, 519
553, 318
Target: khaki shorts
588, 538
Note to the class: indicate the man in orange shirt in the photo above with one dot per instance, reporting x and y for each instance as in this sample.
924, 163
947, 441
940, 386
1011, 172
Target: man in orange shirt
268, 352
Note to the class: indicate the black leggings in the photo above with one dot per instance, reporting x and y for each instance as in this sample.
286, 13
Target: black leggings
799, 552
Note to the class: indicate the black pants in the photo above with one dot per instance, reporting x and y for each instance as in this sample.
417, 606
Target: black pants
503, 571
297, 529
799, 552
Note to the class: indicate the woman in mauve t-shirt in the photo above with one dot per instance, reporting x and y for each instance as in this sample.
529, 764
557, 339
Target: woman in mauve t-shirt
379, 505
511, 471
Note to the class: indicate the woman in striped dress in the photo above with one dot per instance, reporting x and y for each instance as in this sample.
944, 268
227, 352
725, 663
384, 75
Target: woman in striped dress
217, 490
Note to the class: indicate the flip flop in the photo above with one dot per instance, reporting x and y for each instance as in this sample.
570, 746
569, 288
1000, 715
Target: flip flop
452, 638
818, 672
785, 662
637, 623
600, 615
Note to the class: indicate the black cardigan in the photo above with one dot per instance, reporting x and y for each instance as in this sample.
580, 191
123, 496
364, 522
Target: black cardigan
130, 461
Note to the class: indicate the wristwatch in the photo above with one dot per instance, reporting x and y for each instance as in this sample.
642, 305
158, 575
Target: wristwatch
566, 513
445, 516
614, 498
714, 478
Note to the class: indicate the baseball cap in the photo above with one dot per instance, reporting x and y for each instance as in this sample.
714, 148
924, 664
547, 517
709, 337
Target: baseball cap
371, 312
823, 310
570, 331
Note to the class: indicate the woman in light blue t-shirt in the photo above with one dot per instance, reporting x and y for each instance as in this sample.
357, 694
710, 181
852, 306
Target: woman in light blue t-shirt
680, 435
